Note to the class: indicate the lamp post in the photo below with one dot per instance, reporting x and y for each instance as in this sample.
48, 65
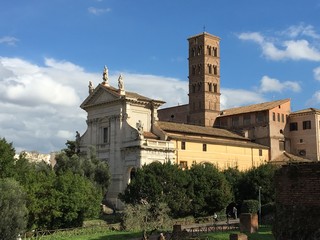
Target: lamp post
259, 203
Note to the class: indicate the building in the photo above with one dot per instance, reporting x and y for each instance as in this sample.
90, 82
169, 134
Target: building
303, 132
129, 130
263, 123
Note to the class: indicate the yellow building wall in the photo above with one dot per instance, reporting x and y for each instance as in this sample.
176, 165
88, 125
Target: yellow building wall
223, 156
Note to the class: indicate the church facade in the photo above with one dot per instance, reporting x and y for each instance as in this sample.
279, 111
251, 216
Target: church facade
129, 130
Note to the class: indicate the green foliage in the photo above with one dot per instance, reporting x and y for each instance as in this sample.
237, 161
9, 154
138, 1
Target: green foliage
210, 191
248, 184
13, 209
56, 201
90, 166
200, 191
7, 153
268, 209
146, 217
155, 183
250, 206
233, 176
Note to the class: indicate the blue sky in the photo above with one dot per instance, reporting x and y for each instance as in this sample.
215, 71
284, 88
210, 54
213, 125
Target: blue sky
50, 50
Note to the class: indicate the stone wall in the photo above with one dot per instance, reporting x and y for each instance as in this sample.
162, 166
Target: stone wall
297, 202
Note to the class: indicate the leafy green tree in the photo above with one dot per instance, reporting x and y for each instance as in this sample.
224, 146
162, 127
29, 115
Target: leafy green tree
233, 176
77, 199
254, 178
7, 153
210, 191
156, 183
90, 166
13, 209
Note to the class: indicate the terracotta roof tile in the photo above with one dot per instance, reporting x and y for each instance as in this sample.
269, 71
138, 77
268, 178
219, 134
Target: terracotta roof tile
197, 130
205, 134
253, 108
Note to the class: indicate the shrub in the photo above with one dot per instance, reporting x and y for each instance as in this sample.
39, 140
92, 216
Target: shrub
250, 206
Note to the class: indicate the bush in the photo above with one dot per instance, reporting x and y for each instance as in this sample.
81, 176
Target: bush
268, 209
250, 206
13, 209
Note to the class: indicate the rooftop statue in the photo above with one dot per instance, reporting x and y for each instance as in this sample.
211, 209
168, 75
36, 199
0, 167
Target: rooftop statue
105, 76
91, 88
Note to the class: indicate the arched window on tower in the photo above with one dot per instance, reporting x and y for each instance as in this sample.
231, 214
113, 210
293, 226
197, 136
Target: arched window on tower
199, 87
193, 52
215, 88
209, 50
215, 70
210, 87
199, 69
210, 68
215, 52
193, 70
193, 88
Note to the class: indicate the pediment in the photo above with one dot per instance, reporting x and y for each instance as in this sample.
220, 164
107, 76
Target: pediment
99, 96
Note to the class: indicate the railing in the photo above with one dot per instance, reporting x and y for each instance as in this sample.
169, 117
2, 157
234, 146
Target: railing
196, 231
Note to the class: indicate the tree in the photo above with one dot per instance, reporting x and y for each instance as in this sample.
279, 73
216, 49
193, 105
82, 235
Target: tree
210, 191
91, 167
13, 209
254, 178
7, 153
233, 176
160, 183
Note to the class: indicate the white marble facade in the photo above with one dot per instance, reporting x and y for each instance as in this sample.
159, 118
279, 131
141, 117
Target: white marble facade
119, 127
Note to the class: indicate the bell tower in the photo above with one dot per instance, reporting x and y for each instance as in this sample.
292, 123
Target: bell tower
204, 79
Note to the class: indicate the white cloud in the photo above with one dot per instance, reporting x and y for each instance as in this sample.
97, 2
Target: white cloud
172, 91
253, 36
9, 40
301, 30
299, 49
98, 11
40, 104
239, 97
274, 85
315, 99
316, 73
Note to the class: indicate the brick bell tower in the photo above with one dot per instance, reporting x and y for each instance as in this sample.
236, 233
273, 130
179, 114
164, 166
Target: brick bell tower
204, 79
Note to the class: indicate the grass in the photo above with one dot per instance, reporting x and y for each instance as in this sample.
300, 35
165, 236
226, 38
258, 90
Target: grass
97, 236
263, 234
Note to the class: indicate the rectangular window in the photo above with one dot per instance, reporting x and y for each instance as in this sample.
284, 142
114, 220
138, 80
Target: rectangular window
204, 147
278, 117
235, 121
246, 119
306, 125
184, 164
183, 145
282, 117
260, 117
294, 126
105, 135
260, 152
274, 116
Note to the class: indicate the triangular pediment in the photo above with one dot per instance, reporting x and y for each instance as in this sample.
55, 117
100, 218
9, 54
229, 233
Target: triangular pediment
99, 96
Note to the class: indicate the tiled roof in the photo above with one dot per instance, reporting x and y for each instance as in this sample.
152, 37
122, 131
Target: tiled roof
128, 94
197, 130
150, 135
253, 108
286, 158
308, 110
205, 134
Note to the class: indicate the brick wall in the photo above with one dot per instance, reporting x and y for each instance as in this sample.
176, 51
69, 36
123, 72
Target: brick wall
298, 184
297, 214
